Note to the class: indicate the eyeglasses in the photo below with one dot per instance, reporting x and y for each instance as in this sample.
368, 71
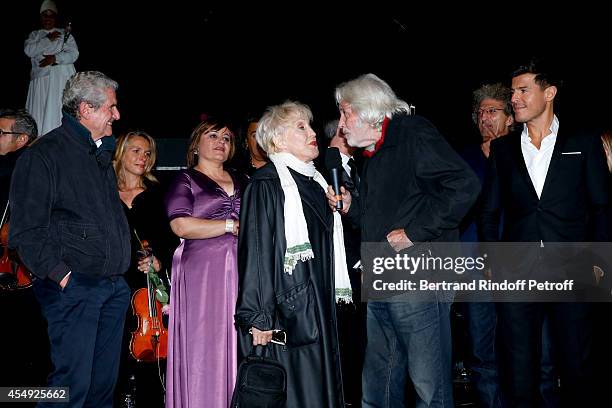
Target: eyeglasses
488, 111
4, 132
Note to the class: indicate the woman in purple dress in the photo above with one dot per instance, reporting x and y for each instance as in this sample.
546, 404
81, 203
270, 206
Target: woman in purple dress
203, 206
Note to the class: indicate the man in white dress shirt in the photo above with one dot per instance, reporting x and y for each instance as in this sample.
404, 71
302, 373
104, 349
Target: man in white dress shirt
550, 181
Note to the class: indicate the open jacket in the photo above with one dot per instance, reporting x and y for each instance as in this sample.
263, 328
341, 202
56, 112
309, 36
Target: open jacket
301, 303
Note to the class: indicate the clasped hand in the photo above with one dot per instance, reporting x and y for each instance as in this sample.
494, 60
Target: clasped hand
53, 35
47, 60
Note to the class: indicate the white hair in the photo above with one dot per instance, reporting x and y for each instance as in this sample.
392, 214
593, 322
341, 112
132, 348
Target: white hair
86, 86
273, 123
371, 98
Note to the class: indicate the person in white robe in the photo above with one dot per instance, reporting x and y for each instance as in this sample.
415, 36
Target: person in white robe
53, 52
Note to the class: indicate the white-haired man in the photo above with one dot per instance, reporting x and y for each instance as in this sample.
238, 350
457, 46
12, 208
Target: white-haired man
69, 228
414, 189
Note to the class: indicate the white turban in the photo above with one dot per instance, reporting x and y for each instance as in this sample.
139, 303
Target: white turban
48, 5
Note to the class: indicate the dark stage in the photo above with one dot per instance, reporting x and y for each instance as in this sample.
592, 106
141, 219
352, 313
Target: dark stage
176, 60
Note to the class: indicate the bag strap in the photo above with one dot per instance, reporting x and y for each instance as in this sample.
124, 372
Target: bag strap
263, 354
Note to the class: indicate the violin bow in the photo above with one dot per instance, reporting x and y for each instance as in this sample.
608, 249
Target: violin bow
149, 291
5, 213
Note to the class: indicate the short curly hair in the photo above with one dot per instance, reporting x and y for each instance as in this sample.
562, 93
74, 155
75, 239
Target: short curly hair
273, 123
24, 122
88, 87
496, 91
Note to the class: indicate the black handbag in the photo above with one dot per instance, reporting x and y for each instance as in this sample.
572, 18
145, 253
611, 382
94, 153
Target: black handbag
261, 383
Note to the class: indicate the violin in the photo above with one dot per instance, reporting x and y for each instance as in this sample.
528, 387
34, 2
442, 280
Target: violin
13, 274
150, 340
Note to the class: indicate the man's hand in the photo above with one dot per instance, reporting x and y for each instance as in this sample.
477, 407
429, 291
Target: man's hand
53, 35
332, 200
487, 132
260, 337
47, 60
399, 240
598, 273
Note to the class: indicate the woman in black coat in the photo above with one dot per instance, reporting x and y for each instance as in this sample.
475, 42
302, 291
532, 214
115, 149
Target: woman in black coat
288, 249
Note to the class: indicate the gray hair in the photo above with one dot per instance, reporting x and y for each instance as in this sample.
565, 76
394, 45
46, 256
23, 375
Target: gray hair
331, 128
24, 122
371, 98
496, 91
88, 87
273, 123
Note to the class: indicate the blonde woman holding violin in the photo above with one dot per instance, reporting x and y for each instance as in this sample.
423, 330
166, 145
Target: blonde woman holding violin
142, 202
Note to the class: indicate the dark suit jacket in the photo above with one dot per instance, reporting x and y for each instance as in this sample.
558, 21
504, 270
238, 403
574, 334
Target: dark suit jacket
7, 164
574, 202
352, 233
573, 207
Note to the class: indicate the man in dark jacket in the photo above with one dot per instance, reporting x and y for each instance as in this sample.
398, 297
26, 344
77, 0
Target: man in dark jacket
351, 317
414, 190
68, 226
18, 308
17, 130
552, 185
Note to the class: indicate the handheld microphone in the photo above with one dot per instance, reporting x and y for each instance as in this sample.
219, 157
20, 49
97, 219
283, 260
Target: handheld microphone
333, 162
67, 31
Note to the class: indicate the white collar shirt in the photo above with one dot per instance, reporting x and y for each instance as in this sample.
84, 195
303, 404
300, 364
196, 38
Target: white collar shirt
345, 160
538, 160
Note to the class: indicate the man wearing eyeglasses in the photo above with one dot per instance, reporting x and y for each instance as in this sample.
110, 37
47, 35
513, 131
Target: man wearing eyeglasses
492, 114
17, 130
18, 308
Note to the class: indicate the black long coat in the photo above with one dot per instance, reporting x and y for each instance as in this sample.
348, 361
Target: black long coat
301, 303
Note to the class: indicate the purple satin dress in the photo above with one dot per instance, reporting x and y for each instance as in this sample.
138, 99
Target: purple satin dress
202, 351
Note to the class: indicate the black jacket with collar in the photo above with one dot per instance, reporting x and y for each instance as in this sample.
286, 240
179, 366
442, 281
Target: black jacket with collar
7, 164
66, 213
415, 181
571, 210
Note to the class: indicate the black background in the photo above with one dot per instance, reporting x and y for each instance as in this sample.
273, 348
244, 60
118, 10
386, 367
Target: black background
175, 60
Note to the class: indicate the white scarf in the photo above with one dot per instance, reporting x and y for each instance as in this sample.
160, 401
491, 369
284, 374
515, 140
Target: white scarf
296, 231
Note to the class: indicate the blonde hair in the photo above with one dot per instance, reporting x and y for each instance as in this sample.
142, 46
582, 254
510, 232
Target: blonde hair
204, 127
121, 149
273, 123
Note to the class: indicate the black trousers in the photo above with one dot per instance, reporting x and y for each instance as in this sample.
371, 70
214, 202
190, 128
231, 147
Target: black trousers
24, 342
85, 325
520, 332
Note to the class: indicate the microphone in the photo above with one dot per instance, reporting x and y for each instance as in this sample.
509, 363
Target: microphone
333, 162
67, 31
